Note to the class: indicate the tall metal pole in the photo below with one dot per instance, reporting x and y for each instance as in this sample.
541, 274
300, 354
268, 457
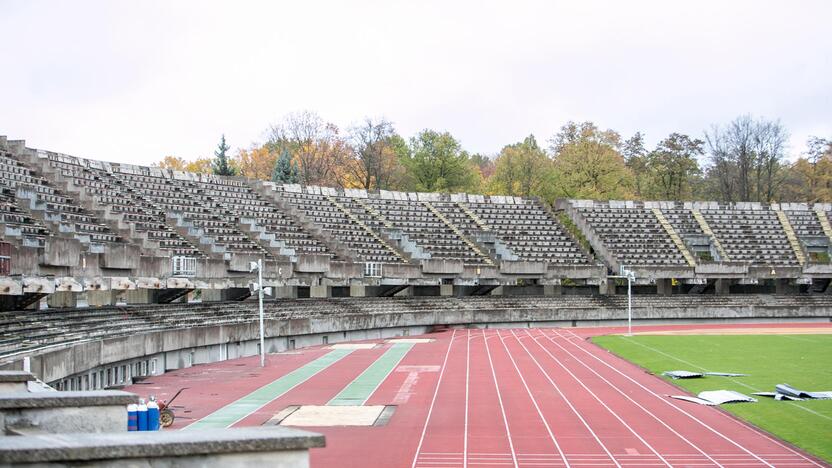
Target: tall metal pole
629, 304
260, 299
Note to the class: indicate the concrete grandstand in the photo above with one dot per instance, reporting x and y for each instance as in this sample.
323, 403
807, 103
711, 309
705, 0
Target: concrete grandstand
128, 239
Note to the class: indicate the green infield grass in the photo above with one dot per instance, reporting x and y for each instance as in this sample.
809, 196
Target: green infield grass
802, 361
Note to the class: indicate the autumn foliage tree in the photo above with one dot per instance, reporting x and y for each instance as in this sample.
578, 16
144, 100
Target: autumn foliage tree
523, 169
588, 163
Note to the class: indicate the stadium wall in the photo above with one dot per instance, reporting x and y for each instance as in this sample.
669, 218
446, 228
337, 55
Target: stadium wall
72, 366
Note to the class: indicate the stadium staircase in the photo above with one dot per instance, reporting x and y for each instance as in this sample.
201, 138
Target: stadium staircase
473, 246
674, 236
703, 224
790, 235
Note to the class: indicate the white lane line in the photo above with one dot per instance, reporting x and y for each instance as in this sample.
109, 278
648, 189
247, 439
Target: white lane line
613, 413
467, 377
566, 400
672, 405
433, 401
624, 394
500, 400
534, 400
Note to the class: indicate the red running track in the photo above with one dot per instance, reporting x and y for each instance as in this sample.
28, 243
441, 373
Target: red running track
501, 398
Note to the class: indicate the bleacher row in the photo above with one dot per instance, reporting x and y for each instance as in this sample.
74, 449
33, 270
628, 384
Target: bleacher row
170, 213
22, 331
741, 233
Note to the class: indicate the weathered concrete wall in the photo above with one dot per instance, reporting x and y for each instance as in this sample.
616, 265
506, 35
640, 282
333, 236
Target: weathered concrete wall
180, 348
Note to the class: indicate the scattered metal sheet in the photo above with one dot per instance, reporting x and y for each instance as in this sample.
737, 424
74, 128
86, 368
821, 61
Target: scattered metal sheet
682, 374
726, 396
693, 400
717, 397
787, 389
777, 396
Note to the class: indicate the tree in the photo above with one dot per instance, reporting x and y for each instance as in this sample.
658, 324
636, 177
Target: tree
588, 163
220, 166
322, 154
746, 159
673, 166
635, 156
199, 165
256, 162
437, 163
376, 164
810, 177
523, 169
285, 170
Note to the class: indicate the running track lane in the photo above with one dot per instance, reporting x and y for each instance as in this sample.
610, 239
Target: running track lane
391, 445
727, 440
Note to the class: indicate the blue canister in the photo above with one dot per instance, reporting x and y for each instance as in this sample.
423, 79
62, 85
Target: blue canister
141, 413
152, 414
132, 417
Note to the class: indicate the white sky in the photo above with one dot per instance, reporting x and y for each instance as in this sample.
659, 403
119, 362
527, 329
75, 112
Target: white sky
135, 81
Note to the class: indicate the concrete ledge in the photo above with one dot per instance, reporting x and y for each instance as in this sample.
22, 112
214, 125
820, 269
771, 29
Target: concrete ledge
40, 400
57, 448
15, 376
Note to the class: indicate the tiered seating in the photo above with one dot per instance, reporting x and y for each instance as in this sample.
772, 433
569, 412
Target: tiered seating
425, 229
192, 202
805, 222
18, 225
683, 222
529, 231
633, 235
750, 234
335, 222
58, 209
238, 198
98, 180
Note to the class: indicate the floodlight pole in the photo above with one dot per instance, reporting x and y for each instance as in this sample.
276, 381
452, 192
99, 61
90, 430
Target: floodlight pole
629, 303
260, 300
630, 276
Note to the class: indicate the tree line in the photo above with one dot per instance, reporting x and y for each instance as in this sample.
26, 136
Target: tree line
743, 160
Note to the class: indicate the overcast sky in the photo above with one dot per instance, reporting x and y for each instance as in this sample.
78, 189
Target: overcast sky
135, 81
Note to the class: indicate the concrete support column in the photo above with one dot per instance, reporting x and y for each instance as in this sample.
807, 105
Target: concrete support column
446, 290
785, 286
358, 290
664, 286
286, 292
552, 290
320, 291
101, 298
140, 296
62, 299
722, 287
606, 287
212, 295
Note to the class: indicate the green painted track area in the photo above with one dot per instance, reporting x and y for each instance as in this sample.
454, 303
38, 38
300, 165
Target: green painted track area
359, 390
230, 414
804, 361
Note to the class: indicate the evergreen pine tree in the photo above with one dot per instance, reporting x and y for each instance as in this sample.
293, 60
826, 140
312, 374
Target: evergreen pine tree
220, 165
285, 170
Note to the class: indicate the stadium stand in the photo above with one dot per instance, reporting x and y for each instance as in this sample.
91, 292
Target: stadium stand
113, 233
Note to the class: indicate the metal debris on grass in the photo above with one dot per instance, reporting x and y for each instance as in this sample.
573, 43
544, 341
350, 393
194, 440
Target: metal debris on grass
716, 397
787, 392
683, 374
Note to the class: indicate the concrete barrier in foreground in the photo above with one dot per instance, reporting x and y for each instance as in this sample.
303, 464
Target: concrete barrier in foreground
230, 448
